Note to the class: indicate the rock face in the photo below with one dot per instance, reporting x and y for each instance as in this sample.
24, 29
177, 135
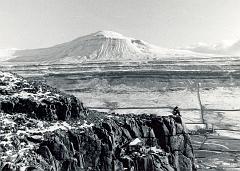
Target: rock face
44, 129
37, 99
110, 145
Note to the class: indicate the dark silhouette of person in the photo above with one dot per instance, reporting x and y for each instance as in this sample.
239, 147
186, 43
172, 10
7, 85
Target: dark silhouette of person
176, 111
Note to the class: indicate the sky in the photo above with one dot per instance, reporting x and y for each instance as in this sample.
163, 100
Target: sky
168, 23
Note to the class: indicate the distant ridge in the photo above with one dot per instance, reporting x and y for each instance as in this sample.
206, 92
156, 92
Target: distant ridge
99, 46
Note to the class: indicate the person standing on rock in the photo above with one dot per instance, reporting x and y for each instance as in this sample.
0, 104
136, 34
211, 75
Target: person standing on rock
176, 111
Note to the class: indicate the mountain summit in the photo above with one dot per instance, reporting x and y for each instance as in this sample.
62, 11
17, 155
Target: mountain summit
99, 46
109, 34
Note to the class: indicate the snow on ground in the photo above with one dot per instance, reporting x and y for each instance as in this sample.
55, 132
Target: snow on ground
184, 99
229, 133
216, 145
13, 136
221, 105
135, 142
223, 119
9, 82
194, 127
156, 150
221, 98
160, 103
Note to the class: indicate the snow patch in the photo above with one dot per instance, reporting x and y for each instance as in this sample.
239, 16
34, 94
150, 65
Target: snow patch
229, 133
135, 142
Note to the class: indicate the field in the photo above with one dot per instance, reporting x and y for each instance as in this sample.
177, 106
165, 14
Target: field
207, 91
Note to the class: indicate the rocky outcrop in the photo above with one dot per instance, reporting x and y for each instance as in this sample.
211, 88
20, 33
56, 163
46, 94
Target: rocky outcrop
37, 99
107, 146
44, 129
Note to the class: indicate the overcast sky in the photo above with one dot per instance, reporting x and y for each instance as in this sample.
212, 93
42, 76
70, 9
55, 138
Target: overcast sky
167, 23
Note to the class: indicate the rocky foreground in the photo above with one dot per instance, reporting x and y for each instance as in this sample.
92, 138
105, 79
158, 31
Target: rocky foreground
42, 128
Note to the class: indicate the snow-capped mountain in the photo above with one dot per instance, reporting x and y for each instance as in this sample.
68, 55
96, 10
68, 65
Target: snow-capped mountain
99, 46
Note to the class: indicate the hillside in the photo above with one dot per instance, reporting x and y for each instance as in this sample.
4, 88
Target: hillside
99, 46
44, 129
